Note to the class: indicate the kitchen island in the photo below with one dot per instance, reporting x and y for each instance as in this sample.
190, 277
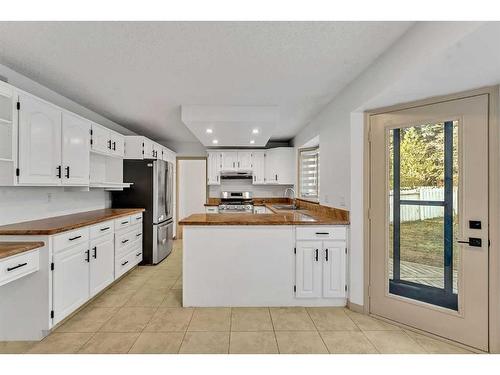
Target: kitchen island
283, 258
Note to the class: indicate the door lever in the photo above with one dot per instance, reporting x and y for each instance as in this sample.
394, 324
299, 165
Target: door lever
472, 241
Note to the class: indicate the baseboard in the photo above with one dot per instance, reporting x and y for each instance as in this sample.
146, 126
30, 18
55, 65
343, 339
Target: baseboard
355, 307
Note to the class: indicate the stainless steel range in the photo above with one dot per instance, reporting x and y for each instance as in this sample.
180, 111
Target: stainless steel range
235, 202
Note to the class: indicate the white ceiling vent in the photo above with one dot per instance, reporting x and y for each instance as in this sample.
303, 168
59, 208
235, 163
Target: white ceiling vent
231, 126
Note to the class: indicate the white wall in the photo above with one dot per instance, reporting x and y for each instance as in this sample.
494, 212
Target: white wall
259, 191
432, 58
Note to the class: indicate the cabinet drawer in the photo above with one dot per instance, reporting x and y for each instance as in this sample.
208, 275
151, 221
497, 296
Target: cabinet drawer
136, 218
122, 222
123, 240
67, 239
321, 233
17, 266
102, 229
124, 264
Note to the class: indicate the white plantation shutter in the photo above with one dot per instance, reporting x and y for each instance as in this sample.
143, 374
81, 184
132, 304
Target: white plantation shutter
309, 173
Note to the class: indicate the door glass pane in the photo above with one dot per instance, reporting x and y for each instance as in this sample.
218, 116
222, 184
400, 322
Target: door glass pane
423, 213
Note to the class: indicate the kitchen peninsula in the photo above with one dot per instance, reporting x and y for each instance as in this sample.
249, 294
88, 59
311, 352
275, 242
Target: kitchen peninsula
287, 257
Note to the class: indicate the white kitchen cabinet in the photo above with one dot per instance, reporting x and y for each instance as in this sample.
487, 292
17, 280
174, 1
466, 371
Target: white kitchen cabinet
70, 280
75, 150
214, 162
258, 167
117, 144
39, 142
229, 161
308, 269
279, 166
139, 147
244, 160
102, 263
100, 140
334, 269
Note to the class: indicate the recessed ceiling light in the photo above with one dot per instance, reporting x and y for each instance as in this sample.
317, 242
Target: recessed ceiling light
215, 141
255, 131
209, 131
252, 142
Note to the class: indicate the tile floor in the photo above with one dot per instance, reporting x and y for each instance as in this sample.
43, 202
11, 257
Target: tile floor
128, 318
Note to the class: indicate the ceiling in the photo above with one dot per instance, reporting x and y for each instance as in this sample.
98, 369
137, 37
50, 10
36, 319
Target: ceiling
139, 74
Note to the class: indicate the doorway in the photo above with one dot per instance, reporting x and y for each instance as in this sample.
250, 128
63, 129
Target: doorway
191, 187
429, 218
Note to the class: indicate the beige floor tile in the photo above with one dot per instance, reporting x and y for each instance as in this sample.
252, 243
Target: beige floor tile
173, 299
253, 343
144, 270
129, 319
331, 319
211, 319
368, 323
347, 342
251, 319
300, 342
178, 284
393, 342
110, 343
205, 343
170, 319
158, 343
89, 319
61, 343
291, 319
147, 297
16, 347
160, 283
111, 298
435, 346
130, 282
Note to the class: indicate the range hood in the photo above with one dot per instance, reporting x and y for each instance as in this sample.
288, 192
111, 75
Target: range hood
235, 175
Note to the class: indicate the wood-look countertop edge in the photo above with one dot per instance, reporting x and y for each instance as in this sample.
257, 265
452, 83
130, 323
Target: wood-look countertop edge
10, 248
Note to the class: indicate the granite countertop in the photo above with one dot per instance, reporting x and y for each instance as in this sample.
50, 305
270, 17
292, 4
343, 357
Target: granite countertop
59, 224
8, 249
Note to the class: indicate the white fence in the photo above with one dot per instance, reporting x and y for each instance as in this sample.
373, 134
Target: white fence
415, 213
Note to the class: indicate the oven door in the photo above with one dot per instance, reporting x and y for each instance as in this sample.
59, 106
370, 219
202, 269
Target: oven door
162, 240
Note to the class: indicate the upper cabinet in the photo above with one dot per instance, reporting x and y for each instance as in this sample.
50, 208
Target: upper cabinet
39, 142
233, 161
139, 147
75, 150
214, 165
107, 142
258, 167
279, 166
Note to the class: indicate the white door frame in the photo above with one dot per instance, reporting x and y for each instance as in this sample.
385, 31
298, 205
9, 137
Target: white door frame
494, 200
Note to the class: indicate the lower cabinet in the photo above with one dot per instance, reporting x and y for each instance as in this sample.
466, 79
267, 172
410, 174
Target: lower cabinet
320, 265
102, 263
70, 280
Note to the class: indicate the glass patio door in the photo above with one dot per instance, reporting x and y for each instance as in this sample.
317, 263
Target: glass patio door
429, 218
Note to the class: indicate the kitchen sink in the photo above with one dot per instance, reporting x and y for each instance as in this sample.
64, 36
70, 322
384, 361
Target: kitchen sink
285, 207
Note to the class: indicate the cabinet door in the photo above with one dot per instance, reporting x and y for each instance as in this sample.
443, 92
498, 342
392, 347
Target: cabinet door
271, 177
102, 263
75, 150
100, 139
70, 280
334, 269
258, 169
213, 164
308, 269
148, 149
117, 144
284, 165
229, 161
39, 142
245, 161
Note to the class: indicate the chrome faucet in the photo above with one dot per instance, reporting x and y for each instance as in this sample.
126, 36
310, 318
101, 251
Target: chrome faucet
293, 196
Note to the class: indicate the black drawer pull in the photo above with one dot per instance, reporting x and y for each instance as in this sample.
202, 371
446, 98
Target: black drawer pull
16, 267
75, 238
124, 262
138, 234
124, 222
322, 232
138, 254
125, 241
103, 229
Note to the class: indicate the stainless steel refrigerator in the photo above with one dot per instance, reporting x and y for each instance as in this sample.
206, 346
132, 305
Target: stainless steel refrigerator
152, 189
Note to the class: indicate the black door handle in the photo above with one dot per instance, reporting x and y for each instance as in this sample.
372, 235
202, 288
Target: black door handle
474, 242
88, 256
109, 144
95, 252
67, 171
59, 168
326, 255
16, 267
317, 255
114, 146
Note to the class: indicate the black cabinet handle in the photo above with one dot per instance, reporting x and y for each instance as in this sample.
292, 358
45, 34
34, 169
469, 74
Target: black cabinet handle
16, 267
114, 146
138, 254
276, 176
124, 241
88, 256
326, 255
124, 262
138, 234
124, 222
472, 241
325, 233
67, 171
75, 238
317, 255
59, 171
103, 229
95, 252
109, 144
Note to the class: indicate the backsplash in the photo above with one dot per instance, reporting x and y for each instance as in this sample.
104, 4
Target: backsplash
23, 203
246, 185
